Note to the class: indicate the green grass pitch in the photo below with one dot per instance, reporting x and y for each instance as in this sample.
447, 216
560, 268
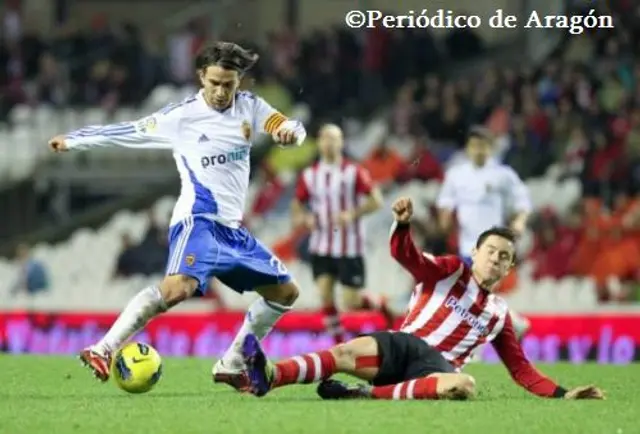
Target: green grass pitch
54, 395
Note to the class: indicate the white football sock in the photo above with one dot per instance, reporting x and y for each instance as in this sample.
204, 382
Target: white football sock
259, 320
140, 309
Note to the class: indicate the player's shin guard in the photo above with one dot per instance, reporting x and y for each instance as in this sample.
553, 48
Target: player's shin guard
259, 320
140, 309
332, 323
420, 388
305, 369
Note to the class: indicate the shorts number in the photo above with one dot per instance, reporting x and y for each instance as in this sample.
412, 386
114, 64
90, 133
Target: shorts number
277, 263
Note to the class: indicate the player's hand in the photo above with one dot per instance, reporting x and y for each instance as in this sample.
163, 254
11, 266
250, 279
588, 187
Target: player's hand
285, 137
585, 392
344, 218
402, 210
58, 144
307, 221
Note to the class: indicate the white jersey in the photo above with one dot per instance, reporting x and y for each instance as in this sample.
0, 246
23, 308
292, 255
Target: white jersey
482, 197
211, 149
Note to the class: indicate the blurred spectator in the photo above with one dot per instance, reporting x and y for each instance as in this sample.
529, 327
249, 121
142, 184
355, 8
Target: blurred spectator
33, 276
128, 263
273, 91
384, 165
526, 153
50, 84
270, 192
148, 257
554, 244
421, 164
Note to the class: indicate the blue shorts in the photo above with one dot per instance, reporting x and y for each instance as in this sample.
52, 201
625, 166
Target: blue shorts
202, 249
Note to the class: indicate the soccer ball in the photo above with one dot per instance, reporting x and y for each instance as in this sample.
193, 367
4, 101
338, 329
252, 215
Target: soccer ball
136, 367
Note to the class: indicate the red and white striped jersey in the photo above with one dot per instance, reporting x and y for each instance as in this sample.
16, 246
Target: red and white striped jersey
330, 190
452, 313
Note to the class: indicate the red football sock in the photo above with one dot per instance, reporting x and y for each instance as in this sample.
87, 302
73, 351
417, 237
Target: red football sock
420, 388
309, 368
332, 323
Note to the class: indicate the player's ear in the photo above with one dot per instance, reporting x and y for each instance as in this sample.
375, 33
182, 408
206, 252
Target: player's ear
474, 252
201, 74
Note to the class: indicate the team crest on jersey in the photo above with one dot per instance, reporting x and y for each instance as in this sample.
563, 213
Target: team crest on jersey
246, 130
148, 125
190, 260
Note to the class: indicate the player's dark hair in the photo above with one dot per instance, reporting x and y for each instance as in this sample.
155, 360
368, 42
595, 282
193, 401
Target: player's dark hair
499, 231
226, 55
480, 132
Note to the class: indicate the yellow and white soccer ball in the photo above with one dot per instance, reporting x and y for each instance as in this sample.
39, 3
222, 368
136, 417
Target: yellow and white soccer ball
136, 367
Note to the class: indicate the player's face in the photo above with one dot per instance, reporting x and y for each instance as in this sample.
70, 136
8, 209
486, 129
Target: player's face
479, 150
330, 142
493, 260
219, 85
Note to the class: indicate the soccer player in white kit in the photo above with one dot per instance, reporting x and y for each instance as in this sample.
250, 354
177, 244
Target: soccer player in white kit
483, 193
210, 135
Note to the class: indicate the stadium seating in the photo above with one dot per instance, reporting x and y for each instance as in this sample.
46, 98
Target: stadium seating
81, 268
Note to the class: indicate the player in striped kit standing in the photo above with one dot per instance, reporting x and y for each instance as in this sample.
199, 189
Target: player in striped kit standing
332, 197
453, 310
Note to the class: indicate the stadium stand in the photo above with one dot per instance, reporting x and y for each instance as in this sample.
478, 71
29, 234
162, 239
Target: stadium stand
570, 129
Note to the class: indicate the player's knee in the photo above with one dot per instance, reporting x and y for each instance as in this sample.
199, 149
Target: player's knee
177, 288
290, 294
463, 386
285, 294
344, 354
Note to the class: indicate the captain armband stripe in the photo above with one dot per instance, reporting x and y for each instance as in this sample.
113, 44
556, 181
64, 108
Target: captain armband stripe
273, 122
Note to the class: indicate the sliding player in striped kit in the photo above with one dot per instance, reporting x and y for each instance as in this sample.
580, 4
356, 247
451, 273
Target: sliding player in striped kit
210, 135
453, 310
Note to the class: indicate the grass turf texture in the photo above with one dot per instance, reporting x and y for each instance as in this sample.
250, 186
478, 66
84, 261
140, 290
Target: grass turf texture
56, 395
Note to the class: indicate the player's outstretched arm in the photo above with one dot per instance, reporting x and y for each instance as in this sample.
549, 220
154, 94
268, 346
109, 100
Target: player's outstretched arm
527, 376
152, 132
403, 249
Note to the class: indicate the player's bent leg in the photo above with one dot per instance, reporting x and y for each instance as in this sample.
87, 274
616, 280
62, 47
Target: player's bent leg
358, 357
177, 288
275, 301
284, 294
434, 386
141, 308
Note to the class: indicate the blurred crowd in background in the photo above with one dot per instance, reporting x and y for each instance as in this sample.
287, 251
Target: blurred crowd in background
580, 112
